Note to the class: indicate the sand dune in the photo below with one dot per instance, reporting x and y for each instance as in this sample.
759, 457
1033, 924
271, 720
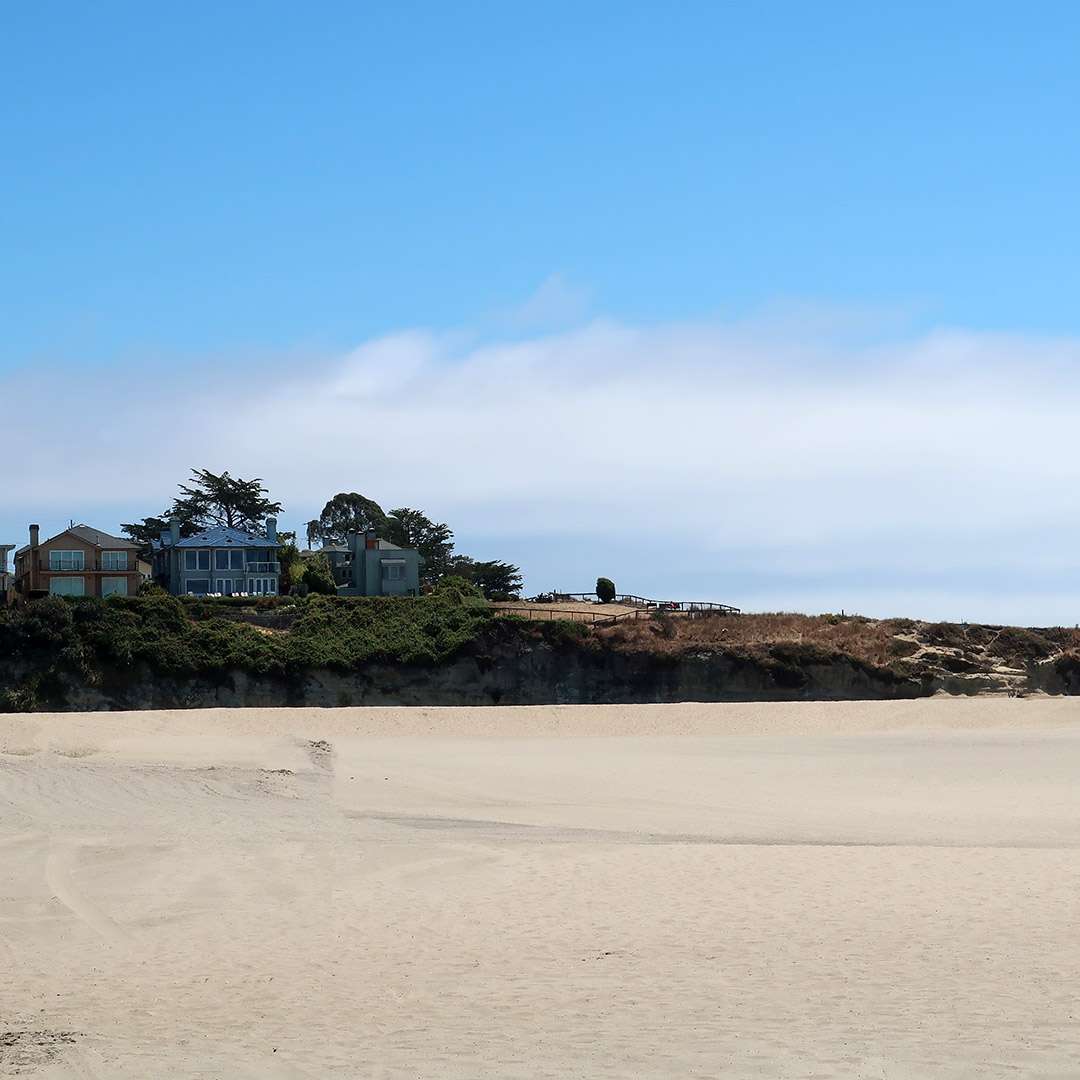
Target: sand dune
873, 890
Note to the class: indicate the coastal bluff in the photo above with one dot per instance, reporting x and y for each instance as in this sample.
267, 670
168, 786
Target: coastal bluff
159, 653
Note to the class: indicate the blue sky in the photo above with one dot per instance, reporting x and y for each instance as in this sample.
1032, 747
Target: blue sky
645, 252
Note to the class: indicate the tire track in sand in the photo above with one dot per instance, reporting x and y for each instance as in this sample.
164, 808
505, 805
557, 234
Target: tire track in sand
62, 853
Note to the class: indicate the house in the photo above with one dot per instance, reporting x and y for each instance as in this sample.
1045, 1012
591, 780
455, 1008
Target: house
340, 558
80, 561
5, 577
218, 560
369, 566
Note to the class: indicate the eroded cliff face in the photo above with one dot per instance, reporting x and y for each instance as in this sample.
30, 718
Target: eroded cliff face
530, 669
446, 650
533, 676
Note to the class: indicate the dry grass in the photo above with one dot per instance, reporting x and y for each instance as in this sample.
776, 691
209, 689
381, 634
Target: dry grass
871, 641
886, 643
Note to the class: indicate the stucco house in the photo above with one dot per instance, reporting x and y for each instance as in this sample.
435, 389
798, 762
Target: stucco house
80, 561
218, 560
369, 566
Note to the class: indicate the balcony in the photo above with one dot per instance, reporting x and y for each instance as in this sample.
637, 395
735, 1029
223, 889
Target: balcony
90, 566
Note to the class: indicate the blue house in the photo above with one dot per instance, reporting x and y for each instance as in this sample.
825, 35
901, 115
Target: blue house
218, 560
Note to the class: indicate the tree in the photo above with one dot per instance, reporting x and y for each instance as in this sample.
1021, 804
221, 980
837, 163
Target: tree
150, 529
224, 500
344, 513
318, 576
496, 580
605, 590
292, 568
412, 529
210, 500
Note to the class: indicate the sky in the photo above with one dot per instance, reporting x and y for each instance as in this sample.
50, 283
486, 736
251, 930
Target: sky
773, 304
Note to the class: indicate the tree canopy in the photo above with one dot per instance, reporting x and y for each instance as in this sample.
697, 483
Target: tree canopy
496, 580
413, 529
349, 511
344, 513
210, 499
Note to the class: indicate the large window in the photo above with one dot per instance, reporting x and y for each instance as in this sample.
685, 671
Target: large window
111, 585
393, 571
114, 560
197, 560
67, 586
198, 586
226, 559
67, 560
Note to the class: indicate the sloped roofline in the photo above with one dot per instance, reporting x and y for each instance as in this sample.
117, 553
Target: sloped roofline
223, 536
91, 536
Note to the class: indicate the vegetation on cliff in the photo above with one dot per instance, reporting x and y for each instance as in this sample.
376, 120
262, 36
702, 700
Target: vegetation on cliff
57, 642
88, 637
954, 657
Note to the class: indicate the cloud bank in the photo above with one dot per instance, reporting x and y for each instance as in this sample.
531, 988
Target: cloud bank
781, 462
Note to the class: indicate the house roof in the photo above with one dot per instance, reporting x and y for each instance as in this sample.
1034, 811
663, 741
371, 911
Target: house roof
223, 536
99, 538
89, 536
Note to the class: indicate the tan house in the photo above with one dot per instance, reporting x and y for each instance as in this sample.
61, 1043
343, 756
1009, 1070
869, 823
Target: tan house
80, 561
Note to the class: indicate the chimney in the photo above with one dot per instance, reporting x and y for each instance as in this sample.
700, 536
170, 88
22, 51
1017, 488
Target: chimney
271, 530
174, 532
35, 530
371, 540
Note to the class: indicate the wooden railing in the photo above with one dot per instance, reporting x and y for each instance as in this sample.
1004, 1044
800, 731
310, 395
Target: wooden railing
609, 618
640, 602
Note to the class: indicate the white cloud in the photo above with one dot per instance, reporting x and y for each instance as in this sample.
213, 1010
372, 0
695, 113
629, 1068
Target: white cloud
712, 455
557, 302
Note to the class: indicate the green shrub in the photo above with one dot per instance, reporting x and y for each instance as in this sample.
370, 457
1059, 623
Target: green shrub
318, 576
605, 590
458, 589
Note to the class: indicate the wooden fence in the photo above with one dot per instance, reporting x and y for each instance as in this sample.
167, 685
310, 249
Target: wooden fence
630, 599
547, 613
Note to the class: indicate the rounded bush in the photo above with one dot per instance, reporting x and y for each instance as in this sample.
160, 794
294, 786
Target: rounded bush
605, 590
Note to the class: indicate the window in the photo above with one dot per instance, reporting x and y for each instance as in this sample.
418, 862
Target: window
67, 586
199, 586
223, 586
393, 571
111, 585
114, 560
197, 560
236, 559
67, 560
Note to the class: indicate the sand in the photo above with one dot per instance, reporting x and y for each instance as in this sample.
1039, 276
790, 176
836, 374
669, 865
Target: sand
885, 890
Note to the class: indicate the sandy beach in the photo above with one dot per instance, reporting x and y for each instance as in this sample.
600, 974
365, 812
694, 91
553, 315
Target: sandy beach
873, 890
